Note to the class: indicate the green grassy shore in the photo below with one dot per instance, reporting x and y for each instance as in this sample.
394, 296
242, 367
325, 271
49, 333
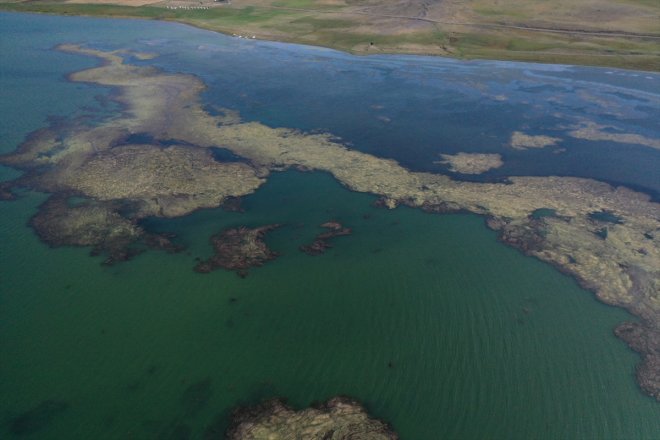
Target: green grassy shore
339, 27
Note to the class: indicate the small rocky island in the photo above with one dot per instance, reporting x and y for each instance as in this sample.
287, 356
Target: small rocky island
321, 243
339, 418
471, 163
239, 249
523, 141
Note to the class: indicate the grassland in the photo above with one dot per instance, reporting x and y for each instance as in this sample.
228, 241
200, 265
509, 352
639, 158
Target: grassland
617, 33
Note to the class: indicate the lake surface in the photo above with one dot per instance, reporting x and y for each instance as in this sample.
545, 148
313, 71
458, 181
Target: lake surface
426, 319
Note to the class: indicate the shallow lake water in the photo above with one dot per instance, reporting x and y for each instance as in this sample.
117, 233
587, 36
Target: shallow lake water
429, 321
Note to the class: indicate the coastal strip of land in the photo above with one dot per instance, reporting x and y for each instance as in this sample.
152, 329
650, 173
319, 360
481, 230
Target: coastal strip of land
615, 33
606, 237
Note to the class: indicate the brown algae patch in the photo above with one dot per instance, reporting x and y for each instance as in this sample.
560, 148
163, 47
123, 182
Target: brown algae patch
167, 182
322, 241
338, 418
89, 224
95, 225
239, 249
522, 141
622, 266
591, 131
471, 163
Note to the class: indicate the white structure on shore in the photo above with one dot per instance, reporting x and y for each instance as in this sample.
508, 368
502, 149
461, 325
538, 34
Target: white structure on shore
188, 7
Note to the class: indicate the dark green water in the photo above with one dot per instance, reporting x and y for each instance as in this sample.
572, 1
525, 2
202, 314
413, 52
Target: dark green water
482, 341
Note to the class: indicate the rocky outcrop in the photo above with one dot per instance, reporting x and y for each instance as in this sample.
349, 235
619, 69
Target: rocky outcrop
96, 225
527, 235
239, 249
471, 163
321, 242
646, 341
339, 418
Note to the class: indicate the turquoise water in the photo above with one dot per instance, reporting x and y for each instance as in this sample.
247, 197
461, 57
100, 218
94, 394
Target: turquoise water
482, 341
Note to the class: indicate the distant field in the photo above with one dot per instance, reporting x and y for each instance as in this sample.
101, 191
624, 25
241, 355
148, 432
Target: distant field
618, 33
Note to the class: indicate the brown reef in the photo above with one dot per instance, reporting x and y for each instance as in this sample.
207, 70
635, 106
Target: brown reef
239, 249
471, 163
646, 342
522, 141
339, 418
96, 225
321, 242
595, 132
619, 262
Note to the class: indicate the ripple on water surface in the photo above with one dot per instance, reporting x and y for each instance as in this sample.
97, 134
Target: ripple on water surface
429, 321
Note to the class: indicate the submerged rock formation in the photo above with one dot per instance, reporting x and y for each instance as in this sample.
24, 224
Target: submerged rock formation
239, 249
233, 204
96, 225
622, 266
37, 418
339, 418
646, 342
321, 243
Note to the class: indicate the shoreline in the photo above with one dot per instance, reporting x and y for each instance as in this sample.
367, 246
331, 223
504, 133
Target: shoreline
638, 61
